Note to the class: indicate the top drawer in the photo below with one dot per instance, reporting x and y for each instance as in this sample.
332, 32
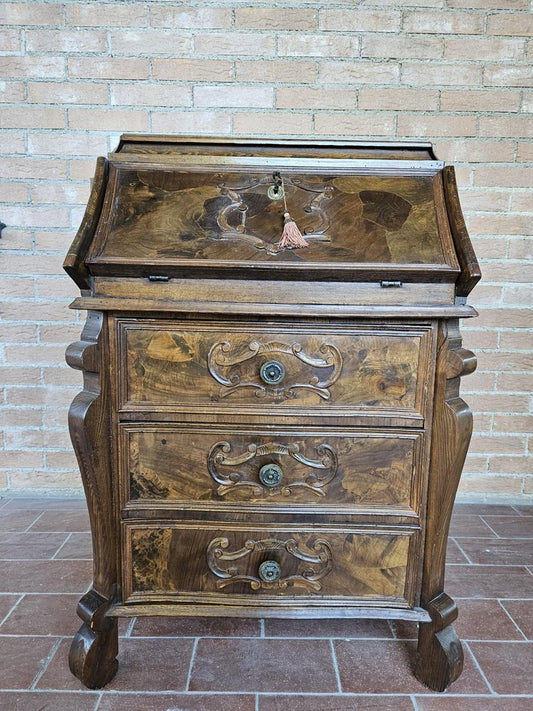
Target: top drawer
229, 367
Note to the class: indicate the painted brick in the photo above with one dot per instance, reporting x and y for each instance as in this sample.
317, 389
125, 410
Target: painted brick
235, 43
484, 49
360, 20
491, 485
13, 143
108, 120
441, 74
521, 248
508, 224
515, 465
30, 117
27, 167
318, 45
514, 382
192, 69
47, 143
515, 24
449, 22
275, 18
362, 72
67, 93
398, 99
315, 98
480, 100
525, 152
498, 176
108, 68
489, 4
33, 216
97, 14
11, 92
362, 124
513, 423
190, 18
30, 14
205, 122
235, 96
508, 76
476, 152
14, 192
10, 40
401, 47
151, 42
66, 41
275, 71
261, 123
32, 67
436, 125
150, 95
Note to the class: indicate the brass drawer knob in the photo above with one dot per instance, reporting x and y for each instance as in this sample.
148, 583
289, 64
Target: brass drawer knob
272, 372
270, 475
269, 571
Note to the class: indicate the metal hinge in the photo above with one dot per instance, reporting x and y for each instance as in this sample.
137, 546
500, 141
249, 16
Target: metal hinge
390, 284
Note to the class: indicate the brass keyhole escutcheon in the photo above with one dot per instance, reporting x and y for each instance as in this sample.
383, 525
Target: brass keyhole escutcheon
270, 475
275, 194
269, 571
272, 372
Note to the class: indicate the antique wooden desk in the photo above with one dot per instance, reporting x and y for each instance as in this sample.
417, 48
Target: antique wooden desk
267, 431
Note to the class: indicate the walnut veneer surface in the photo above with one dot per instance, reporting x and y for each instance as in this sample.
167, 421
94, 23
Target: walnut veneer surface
266, 431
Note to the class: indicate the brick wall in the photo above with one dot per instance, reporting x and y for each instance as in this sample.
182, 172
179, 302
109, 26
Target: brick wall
74, 75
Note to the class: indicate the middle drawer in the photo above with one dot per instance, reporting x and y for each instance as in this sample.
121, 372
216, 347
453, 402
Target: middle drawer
287, 467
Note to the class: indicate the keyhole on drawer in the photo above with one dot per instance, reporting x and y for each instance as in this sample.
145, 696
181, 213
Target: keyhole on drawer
163, 441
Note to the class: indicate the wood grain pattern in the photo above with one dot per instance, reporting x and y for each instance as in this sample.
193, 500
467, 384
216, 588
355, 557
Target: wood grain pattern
440, 657
217, 465
154, 214
184, 367
171, 562
93, 652
268, 432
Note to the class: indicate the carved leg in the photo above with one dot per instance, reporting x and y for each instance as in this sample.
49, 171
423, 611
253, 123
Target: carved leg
94, 648
440, 655
439, 659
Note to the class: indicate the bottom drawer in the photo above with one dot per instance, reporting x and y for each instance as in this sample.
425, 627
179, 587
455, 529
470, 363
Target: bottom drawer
218, 563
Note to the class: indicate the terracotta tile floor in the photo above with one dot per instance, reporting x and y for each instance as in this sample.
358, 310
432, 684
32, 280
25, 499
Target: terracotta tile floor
184, 664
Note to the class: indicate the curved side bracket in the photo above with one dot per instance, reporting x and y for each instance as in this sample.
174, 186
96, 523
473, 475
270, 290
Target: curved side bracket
74, 263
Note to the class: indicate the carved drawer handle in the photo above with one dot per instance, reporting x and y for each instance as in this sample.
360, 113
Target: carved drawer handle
269, 571
270, 475
313, 564
227, 470
272, 372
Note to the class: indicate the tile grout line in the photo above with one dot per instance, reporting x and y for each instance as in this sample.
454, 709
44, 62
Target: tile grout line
414, 701
462, 550
488, 524
26, 530
480, 670
46, 663
131, 624
13, 607
193, 655
512, 619
335, 666
69, 536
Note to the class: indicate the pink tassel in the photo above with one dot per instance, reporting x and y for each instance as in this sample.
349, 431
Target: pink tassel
291, 237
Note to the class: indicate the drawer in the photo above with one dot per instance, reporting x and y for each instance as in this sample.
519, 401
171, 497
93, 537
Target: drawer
209, 368
217, 561
287, 468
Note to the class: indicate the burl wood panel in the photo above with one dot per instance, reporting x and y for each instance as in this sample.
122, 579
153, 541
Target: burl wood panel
214, 562
218, 465
344, 368
172, 213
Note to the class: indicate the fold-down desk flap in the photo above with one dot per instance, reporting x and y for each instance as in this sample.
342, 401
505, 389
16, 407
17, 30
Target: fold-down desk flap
180, 214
